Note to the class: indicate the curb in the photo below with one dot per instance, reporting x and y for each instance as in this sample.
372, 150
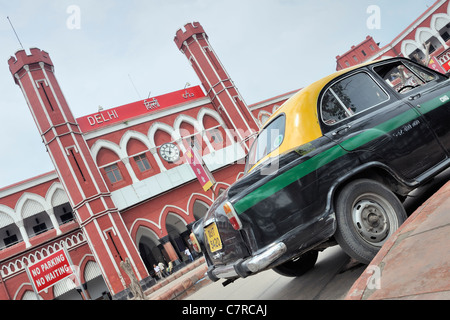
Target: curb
360, 290
181, 290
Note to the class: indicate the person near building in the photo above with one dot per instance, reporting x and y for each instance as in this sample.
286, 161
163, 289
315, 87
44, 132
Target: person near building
162, 269
188, 254
157, 271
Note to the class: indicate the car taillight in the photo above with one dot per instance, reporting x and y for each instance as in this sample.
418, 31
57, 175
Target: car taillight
232, 216
195, 243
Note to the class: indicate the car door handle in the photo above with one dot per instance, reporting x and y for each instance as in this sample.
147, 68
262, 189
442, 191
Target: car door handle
341, 130
414, 97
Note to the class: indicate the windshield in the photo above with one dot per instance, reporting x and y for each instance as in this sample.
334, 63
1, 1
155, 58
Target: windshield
269, 139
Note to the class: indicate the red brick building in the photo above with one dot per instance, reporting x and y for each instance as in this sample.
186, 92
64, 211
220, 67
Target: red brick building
121, 188
114, 194
431, 28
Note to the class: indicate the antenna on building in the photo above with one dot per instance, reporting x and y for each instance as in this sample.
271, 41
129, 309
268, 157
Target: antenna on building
15, 32
132, 83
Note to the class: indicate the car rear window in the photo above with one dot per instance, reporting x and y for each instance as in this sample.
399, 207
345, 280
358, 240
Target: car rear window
269, 139
350, 96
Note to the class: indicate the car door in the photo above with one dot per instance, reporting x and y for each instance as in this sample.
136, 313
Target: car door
360, 114
431, 97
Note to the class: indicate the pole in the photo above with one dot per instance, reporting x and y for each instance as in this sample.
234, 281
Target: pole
15, 32
75, 271
32, 283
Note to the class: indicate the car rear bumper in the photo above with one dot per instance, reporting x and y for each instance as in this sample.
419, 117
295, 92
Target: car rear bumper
243, 268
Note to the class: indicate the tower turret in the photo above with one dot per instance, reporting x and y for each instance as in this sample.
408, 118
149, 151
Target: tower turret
193, 42
89, 197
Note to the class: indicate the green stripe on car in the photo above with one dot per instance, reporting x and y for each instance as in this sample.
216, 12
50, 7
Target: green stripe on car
335, 152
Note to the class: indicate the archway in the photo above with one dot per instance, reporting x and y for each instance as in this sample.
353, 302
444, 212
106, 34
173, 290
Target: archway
150, 249
200, 209
178, 234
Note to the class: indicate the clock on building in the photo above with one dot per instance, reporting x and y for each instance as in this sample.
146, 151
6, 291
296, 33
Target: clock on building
169, 152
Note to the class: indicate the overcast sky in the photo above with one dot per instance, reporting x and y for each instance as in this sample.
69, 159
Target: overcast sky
123, 50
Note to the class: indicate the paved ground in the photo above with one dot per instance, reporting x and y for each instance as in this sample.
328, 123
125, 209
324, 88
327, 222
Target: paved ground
415, 261
181, 283
413, 264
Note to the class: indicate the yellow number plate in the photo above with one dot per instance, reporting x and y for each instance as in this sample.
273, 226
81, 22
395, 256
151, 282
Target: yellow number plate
212, 234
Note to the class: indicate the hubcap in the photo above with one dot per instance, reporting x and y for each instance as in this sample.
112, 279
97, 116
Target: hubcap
372, 216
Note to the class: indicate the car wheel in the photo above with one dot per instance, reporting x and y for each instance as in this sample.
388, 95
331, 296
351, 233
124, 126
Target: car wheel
298, 266
367, 214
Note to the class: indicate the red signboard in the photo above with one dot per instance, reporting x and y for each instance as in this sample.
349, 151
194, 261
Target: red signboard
50, 270
434, 64
126, 112
201, 172
444, 60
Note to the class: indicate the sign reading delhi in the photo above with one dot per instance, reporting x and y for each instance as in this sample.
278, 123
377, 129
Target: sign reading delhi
50, 270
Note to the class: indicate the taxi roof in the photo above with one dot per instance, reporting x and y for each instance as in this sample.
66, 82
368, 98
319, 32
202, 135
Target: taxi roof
302, 123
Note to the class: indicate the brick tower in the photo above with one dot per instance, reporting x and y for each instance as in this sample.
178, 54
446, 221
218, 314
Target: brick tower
89, 197
193, 42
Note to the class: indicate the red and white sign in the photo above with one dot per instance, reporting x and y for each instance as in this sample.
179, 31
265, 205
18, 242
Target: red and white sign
126, 112
201, 172
434, 64
50, 270
444, 60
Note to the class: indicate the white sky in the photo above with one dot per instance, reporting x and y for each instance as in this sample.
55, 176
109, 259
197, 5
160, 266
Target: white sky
268, 47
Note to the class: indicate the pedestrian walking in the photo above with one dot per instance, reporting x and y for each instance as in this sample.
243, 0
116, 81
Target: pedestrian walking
162, 269
157, 271
188, 253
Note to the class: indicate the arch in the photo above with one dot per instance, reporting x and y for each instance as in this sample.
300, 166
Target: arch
56, 195
439, 21
206, 111
91, 270
423, 34
131, 134
31, 204
87, 258
263, 116
220, 186
177, 232
150, 248
7, 216
409, 46
188, 119
198, 197
176, 221
175, 211
144, 223
144, 230
26, 292
62, 287
99, 144
163, 127
199, 209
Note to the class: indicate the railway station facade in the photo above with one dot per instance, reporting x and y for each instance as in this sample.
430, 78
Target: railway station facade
122, 188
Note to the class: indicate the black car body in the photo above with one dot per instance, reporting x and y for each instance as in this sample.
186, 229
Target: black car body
331, 165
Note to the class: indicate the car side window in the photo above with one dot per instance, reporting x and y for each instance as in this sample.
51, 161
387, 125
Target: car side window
350, 96
404, 76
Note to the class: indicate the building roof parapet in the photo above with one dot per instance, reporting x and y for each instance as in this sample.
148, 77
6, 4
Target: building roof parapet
190, 30
22, 59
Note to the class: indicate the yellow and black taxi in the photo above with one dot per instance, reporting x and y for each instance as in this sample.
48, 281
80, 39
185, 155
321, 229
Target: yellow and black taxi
331, 166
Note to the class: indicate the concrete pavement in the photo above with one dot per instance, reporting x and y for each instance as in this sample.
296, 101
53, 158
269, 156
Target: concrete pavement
415, 262
181, 283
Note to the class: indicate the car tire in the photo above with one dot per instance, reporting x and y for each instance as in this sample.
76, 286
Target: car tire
298, 266
367, 214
